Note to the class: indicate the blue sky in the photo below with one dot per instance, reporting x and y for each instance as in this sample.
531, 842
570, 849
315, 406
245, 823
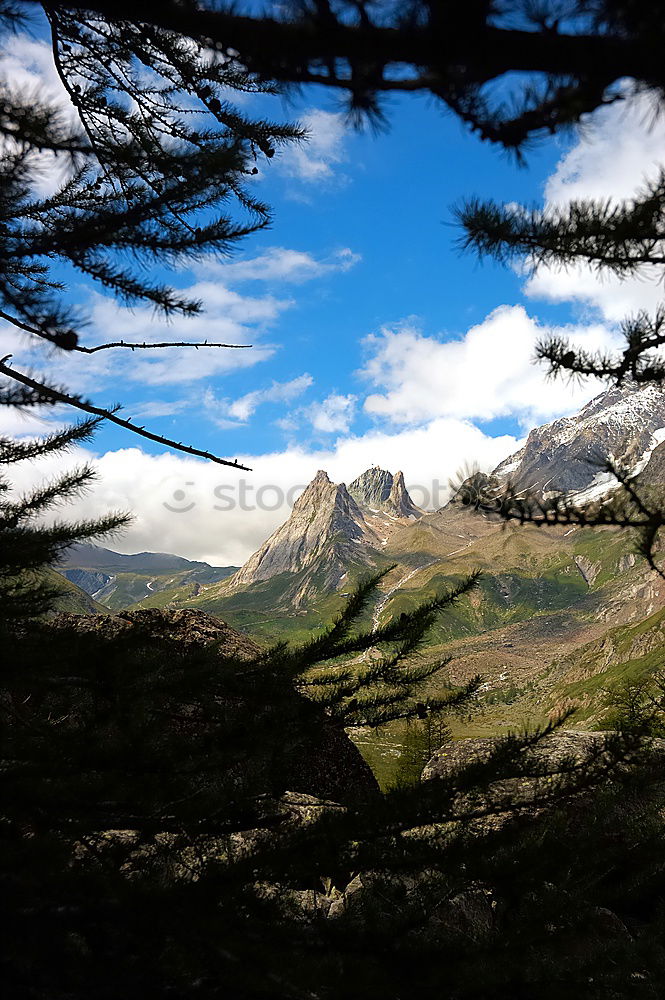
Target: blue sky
375, 339
377, 218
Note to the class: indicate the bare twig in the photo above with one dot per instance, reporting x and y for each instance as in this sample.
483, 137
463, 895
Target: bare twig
145, 347
60, 397
22, 325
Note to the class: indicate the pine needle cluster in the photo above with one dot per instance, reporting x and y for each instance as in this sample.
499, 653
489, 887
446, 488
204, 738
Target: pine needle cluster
145, 162
567, 57
27, 542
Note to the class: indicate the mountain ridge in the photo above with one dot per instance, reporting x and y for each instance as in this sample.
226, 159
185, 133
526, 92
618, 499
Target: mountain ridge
121, 579
567, 454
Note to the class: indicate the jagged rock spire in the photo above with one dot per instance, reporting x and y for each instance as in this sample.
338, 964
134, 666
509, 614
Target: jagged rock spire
325, 523
373, 487
399, 501
380, 490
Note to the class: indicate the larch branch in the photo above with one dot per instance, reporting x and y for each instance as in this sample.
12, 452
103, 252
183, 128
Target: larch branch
61, 397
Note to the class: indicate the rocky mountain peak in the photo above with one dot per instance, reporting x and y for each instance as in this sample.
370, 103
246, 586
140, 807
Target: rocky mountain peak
379, 490
332, 527
326, 527
373, 487
399, 500
626, 422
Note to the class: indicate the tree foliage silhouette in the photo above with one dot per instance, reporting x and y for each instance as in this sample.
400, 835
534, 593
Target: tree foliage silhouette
569, 53
153, 843
28, 545
150, 163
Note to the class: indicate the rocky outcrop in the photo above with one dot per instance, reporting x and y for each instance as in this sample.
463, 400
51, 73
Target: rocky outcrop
553, 750
530, 777
478, 488
380, 491
588, 570
188, 628
566, 455
399, 502
322, 762
654, 471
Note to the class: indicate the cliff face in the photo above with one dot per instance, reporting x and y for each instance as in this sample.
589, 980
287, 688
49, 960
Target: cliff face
627, 423
372, 488
399, 502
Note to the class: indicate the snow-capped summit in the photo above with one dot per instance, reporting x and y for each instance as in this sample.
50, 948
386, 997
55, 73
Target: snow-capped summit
567, 455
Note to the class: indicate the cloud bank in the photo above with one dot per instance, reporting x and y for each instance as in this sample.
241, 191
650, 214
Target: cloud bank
619, 148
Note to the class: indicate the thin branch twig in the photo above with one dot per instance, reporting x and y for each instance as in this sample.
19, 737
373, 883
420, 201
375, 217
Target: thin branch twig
22, 325
144, 346
60, 397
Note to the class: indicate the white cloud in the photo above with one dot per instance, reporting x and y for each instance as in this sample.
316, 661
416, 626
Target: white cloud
487, 373
160, 408
27, 69
314, 161
618, 148
28, 422
279, 392
226, 524
615, 298
282, 264
332, 415
227, 317
28, 65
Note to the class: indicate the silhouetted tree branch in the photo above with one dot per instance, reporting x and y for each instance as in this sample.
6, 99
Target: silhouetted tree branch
46, 393
453, 51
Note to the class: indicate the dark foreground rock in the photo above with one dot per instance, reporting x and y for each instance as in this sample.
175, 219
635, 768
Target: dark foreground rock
322, 761
566, 764
554, 750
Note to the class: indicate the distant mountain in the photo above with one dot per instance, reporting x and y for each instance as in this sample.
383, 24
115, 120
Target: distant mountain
71, 597
380, 491
324, 525
626, 422
95, 557
331, 531
116, 580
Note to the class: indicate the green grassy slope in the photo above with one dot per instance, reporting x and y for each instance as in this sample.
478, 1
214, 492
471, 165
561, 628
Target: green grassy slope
71, 598
556, 619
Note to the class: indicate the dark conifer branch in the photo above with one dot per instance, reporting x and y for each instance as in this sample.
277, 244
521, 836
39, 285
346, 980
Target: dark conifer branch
144, 346
643, 335
448, 51
57, 396
153, 175
18, 451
